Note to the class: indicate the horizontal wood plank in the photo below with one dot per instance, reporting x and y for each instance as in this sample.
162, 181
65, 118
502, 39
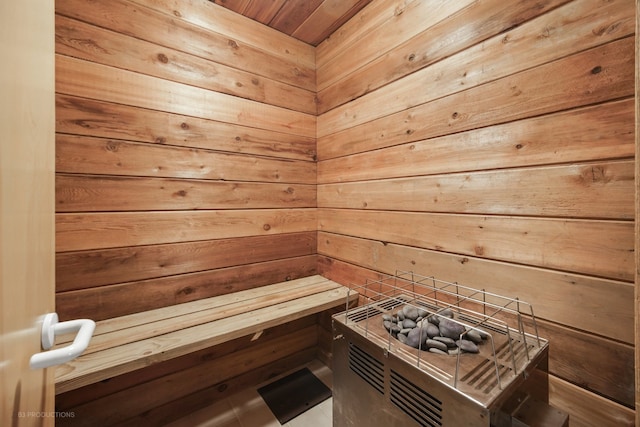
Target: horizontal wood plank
207, 14
91, 43
367, 20
94, 367
134, 327
587, 409
127, 403
589, 190
87, 193
85, 79
105, 302
145, 23
109, 230
101, 389
576, 246
88, 155
79, 270
598, 364
576, 26
599, 306
597, 75
603, 131
406, 22
83, 116
457, 32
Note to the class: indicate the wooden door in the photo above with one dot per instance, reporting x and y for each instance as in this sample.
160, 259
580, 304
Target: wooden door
27, 159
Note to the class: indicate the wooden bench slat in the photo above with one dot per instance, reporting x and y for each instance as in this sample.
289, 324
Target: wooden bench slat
215, 311
150, 316
195, 326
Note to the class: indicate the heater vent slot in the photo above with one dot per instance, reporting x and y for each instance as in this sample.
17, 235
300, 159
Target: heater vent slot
365, 313
392, 303
415, 402
366, 367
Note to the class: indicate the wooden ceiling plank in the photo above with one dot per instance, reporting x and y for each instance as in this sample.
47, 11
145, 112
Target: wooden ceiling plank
292, 14
238, 6
327, 18
263, 11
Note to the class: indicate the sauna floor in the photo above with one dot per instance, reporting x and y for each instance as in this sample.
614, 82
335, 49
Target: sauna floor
247, 409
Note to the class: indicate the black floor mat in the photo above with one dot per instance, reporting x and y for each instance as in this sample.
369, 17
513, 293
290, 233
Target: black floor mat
290, 396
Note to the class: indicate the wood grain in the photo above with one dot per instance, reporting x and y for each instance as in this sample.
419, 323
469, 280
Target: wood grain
79, 270
109, 301
114, 332
407, 21
564, 244
126, 358
603, 131
455, 33
109, 230
589, 190
136, 400
84, 41
587, 409
596, 75
637, 222
142, 22
452, 49
218, 19
371, 17
90, 80
101, 389
82, 116
89, 155
84, 193
325, 19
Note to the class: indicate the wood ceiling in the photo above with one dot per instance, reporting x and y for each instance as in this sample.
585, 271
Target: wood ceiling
311, 21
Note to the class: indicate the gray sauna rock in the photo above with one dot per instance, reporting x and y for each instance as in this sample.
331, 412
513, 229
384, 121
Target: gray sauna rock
410, 312
432, 330
402, 338
437, 344
446, 313
446, 340
416, 337
408, 323
449, 328
468, 346
473, 336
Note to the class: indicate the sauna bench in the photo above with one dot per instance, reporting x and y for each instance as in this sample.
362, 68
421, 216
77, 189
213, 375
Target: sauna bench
124, 344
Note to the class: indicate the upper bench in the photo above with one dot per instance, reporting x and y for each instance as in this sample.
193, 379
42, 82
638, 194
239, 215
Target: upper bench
124, 344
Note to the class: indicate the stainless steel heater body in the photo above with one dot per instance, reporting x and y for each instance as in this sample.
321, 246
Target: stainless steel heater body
379, 381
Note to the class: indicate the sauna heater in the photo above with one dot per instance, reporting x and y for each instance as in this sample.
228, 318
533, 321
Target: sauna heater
380, 381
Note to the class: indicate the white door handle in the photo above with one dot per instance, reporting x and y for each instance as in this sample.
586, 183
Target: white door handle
51, 328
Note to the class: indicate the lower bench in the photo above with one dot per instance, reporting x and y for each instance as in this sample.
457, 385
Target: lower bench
124, 344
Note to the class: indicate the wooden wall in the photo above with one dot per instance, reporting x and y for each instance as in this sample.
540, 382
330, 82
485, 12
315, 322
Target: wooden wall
185, 155
492, 143
185, 168
482, 141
